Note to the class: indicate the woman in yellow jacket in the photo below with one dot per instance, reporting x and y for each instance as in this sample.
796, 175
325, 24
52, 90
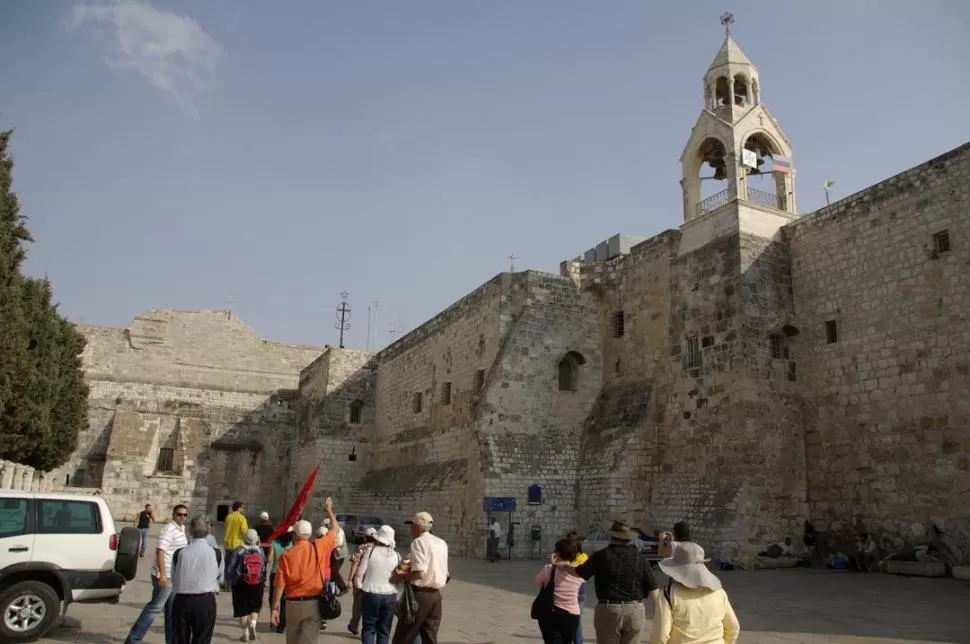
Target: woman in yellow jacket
693, 608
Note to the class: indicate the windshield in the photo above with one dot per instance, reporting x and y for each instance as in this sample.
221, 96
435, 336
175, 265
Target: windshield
596, 534
374, 521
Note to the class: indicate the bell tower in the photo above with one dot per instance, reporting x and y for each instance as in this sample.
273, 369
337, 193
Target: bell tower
736, 152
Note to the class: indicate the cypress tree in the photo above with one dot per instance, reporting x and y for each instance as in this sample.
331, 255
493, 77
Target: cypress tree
42, 392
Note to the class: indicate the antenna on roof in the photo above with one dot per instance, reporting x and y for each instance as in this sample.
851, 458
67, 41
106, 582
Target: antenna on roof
343, 316
229, 310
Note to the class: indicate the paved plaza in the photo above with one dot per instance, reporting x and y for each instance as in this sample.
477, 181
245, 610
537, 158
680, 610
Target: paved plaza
489, 603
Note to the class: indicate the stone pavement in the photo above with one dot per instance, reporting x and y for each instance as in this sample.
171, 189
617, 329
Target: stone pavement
489, 604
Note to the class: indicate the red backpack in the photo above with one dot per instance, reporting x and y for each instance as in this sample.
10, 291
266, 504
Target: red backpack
252, 564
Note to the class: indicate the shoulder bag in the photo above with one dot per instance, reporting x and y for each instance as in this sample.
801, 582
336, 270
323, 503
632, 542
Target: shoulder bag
407, 603
328, 603
542, 605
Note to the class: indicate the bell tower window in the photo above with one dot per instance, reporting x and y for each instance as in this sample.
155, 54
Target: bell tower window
741, 97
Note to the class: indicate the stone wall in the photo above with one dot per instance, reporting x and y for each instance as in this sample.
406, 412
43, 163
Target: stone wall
200, 384
16, 476
889, 436
335, 425
529, 424
425, 451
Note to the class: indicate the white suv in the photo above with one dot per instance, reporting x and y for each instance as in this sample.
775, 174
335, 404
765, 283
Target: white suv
56, 549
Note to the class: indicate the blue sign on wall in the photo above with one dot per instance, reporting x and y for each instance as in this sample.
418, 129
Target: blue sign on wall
499, 504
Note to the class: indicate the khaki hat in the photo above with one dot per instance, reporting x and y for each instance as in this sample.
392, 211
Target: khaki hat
422, 520
621, 530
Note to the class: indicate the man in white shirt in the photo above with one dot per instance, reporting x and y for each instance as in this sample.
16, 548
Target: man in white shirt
427, 572
172, 538
494, 540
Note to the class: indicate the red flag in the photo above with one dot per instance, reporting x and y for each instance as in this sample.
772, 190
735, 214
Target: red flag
295, 510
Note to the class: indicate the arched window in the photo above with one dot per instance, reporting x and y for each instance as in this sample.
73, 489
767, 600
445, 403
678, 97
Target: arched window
569, 371
356, 412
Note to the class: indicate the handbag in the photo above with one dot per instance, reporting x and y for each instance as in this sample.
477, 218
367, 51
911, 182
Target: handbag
327, 602
407, 605
542, 605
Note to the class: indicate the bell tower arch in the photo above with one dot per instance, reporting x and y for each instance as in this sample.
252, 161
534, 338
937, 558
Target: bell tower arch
737, 151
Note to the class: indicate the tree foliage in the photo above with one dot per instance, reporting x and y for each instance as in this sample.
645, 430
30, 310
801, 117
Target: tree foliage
43, 397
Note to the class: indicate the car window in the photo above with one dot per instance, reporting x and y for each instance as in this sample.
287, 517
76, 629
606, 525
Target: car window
13, 517
596, 535
371, 521
67, 517
344, 519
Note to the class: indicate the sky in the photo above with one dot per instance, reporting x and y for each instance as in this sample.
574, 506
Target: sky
202, 154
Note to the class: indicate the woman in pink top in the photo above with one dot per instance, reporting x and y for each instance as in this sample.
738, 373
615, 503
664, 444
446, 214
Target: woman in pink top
560, 627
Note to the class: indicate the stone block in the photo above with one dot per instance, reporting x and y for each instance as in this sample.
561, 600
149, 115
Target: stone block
916, 568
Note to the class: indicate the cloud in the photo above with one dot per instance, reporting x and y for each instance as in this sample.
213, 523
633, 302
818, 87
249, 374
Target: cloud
172, 52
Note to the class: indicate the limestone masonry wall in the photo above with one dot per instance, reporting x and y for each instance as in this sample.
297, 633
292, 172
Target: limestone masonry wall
889, 438
186, 407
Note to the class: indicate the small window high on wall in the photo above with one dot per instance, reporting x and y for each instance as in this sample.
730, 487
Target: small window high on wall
166, 460
417, 402
357, 412
619, 324
831, 332
569, 371
446, 393
693, 352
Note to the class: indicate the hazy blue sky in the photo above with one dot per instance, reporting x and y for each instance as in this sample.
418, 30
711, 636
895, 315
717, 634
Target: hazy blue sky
169, 154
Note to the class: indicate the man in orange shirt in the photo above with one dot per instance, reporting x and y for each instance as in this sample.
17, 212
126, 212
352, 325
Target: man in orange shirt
302, 571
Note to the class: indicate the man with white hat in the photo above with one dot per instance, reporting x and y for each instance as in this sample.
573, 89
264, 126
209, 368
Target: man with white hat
623, 579
264, 528
427, 574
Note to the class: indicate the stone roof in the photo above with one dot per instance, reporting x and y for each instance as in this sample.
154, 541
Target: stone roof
729, 53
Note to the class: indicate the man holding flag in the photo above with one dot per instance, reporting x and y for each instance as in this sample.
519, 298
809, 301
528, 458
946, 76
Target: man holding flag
302, 573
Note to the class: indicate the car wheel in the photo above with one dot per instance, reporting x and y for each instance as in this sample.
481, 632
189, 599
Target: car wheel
126, 563
28, 611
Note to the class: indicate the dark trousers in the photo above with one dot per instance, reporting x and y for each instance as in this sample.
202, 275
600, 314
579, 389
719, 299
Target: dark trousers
426, 622
335, 576
559, 628
194, 617
269, 600
492, 548
354, 624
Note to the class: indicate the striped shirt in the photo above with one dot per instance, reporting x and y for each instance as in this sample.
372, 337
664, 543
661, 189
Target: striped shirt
197, 570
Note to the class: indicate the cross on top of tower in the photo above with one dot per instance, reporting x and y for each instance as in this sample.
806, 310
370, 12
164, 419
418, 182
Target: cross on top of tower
727, 19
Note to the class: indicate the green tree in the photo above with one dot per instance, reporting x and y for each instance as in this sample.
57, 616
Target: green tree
42, 391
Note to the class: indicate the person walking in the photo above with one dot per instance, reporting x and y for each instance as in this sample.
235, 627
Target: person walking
361, 551
580, 558
494, 539
279, 546
246, 579
300, 577
560, 626
196, 572
236, 527
623, 579
378, 594
693, 608
145, 519
264, 528
427, 574
171, 538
